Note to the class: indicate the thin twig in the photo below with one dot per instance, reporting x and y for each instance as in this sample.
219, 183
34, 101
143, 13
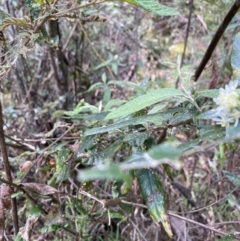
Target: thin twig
19, 188
198, 224
47, 148
221, 29
186, 38
138, 230
204, 208
69, 37
8, 172
94, 49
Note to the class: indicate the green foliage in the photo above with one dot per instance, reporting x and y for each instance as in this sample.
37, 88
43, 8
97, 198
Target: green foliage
19, 22
130, 140
105, 171
140, 102
235, 179
229, 237
34, 8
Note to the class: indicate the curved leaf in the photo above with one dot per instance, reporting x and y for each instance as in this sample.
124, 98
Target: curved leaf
153, 193
126, 122
142, 101
214, 93
19, 22
208, 93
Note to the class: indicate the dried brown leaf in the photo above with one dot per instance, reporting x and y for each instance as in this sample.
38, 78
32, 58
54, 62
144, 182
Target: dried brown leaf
39, 188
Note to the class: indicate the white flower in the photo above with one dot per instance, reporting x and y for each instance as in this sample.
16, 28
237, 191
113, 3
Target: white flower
228, 98
228, 101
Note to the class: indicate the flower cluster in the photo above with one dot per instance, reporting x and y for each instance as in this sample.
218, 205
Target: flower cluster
228, 101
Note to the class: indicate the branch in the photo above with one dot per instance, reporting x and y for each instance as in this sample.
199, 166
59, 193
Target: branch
227, 19
198, 224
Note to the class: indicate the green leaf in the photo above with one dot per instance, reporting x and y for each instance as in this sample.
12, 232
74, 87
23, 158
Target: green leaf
208, 93
235, 179
95, 86
233, 132
19, 238
160, 154
82, 107
156, 109
214, 93
90, 117
113, 103
124, 123
154, 195
34, 8
136, 138
106, 96
88, 154
118, 191
229, 237
163, 151
111, 150
62, 167
235, 58
208, 115
171, 116
142, 101
189, 145
211, 133
127, 184
35, 211
109, 171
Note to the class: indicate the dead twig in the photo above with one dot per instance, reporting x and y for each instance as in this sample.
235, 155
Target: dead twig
186, 38
8, 172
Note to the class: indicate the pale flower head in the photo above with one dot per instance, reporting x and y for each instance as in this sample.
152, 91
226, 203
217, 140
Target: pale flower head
228, 98
228, 101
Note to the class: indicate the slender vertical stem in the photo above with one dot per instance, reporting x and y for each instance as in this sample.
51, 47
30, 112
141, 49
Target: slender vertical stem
186, 38
3, 149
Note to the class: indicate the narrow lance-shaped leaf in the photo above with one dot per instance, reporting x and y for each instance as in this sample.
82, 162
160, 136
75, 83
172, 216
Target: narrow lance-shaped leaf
109, 171
214, 93
142, 101
153, 193
19, 22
